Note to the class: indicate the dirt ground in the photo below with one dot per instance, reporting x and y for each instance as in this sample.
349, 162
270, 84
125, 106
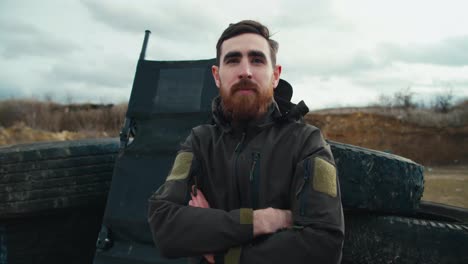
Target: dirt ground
447, 185
427, 145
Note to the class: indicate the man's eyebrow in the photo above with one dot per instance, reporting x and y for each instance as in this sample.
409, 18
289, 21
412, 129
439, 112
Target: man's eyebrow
257, 53
232, 54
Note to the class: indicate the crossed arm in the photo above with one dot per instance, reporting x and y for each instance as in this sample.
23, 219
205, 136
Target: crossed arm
265, 221
183, 231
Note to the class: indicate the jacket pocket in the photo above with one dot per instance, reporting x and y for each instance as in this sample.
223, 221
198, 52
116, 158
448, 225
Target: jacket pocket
301, 192
254, 178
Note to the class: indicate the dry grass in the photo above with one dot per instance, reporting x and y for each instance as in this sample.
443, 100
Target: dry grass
25, 121
457, 116
20, 133
447, 185
52, 117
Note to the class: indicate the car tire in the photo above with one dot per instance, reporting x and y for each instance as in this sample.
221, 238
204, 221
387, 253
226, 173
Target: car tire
377, 239
55, 175
55, 237
443, 211
377, 181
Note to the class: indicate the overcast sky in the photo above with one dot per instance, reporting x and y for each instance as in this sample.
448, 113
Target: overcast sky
334, 53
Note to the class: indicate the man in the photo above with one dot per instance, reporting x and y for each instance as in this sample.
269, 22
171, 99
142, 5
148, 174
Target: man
257, 186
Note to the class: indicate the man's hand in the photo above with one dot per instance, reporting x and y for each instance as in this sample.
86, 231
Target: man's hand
265, 221
200, 201
270, 220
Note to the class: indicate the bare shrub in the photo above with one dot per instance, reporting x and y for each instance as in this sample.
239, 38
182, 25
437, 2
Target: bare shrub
404, 98
441, 112
457, 116
55, 117
443, 102
385, 101
10, 113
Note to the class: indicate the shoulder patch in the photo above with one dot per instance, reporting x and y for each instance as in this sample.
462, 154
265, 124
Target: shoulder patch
181, 168
324, 180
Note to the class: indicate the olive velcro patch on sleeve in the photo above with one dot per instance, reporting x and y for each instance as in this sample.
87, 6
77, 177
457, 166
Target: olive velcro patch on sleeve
324, 180
181, 168
246, 216
232, 256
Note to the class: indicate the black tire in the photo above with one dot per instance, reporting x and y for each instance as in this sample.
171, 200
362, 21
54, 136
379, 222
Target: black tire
53, 175
443, 211
56, 237
376, 180
394, 239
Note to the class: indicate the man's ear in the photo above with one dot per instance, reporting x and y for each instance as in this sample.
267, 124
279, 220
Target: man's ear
215, 72
276, 75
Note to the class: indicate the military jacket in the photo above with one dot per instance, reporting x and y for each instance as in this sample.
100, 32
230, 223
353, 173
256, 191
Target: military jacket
271, 162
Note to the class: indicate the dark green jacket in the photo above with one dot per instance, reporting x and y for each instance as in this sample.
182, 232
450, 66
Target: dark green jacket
273, 162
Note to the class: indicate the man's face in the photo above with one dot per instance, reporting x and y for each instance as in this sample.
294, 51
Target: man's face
245, 76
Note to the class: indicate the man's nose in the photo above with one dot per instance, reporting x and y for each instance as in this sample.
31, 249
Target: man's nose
245, 70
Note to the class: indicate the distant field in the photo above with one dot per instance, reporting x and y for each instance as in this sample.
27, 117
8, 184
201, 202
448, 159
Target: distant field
447, 185
424, 135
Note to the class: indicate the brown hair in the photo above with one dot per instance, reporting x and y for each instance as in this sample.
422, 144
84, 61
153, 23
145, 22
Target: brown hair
247, 26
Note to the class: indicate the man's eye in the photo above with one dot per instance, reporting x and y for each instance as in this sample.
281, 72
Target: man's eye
258, 60
232, 61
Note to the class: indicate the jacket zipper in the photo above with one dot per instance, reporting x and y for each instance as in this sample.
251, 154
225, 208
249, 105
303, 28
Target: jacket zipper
239, 146
238, 150
302, 191
254, 181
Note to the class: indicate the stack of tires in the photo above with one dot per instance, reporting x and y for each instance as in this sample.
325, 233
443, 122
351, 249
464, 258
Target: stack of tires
52, 197
386, 222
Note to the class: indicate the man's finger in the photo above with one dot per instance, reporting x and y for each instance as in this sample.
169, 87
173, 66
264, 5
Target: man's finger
202, 200
288, 218
202, 196
285, 218
199, 201
203, 203
196, 202
209, 258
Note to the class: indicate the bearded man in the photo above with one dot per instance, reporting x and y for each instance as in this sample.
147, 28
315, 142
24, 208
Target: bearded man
258, 185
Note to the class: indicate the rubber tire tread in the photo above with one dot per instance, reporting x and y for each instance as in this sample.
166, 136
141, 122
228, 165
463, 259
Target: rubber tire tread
438, 210
60, 236
395, 239
55, 175
377, 181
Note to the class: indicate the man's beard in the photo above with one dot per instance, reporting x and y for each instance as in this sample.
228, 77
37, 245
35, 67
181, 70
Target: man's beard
243, 107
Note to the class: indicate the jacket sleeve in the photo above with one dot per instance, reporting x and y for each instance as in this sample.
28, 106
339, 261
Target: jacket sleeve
318, 232
180, 230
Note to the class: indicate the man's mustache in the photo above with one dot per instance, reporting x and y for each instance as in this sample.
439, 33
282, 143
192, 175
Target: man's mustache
244, 84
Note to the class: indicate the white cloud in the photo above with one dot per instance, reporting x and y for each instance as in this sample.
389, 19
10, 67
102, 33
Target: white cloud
405, 21
333, 52
331, 92
449, 51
